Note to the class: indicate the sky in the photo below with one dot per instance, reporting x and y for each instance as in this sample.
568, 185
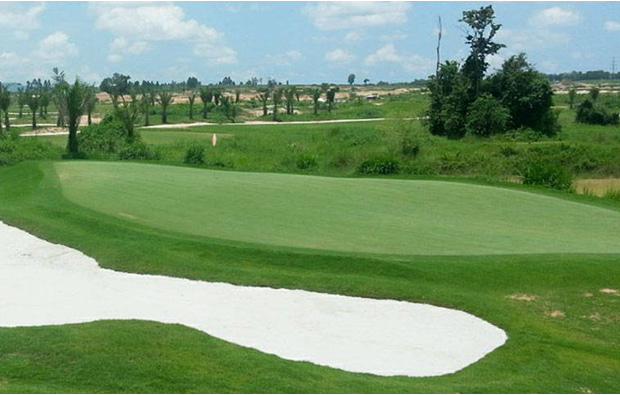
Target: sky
302, 42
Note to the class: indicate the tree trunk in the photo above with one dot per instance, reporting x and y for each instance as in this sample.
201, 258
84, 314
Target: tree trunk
275, 111
164, 117
90, 121
21, 112
191, 111
34, 119
7, 124
72, 145
146, 118
204, 111
316, 107
264, 108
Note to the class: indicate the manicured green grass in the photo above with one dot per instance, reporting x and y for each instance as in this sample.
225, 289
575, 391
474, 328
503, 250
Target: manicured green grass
575, 353
347, 215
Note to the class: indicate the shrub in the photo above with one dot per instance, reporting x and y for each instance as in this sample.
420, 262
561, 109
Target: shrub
486, 116
379, 165
547, 173
590, 113
306, 162
410, 146
103, 139
136, 151
195, 155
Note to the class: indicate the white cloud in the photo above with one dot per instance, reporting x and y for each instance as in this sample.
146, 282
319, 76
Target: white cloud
339, 56
21, 35
555, 16
612, 26
411, 63
114, 58
397, 35
352, 15
14, 16
135, 25
285, 58
12, 60
387, 53
352, 36
55, 48
122, 45
528, 39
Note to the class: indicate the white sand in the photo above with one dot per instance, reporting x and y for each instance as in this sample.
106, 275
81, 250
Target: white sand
47, 284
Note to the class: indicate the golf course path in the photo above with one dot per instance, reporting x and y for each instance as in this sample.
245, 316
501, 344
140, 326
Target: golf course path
48, 284
188, 125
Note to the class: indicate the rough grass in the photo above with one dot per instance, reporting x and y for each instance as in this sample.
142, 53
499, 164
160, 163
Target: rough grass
346, 215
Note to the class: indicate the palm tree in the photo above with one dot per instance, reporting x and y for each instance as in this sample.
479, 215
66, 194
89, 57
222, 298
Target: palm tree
191, 97
147, 101
263, 97
21, 100
5, 102
277, 98
33, 104
205, 95
331, 97
316, 95
77, 97
290, 95
91, 102
165, 99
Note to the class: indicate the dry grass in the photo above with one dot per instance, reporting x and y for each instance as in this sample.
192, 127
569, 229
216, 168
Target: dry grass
597, 186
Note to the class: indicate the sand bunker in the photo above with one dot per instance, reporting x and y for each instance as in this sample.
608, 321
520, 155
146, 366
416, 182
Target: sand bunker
48, 284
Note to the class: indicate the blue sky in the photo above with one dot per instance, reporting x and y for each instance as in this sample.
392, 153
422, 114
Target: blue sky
303, 42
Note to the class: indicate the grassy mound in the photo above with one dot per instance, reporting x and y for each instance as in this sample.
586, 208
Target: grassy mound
346, 215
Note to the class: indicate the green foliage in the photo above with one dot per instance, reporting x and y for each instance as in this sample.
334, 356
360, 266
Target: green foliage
449, 100
306, 162
486, 116
526, 93
546, 173
381, 164
195, 155
137, 151
15, 149
595, 114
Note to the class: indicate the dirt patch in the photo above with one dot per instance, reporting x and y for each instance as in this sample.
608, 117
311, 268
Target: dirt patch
609, 291
556, 314
522, 297
587, 295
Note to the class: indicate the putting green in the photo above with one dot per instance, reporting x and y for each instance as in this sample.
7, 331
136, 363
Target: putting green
350, 215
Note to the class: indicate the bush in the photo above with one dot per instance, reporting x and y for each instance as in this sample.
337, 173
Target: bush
410, 146
306, 162
547, 173
486, 116
195, 155
589, 113
103, 139
379, 165
137, 151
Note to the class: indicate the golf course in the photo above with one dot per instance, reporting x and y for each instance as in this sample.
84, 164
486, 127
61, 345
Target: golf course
551, 285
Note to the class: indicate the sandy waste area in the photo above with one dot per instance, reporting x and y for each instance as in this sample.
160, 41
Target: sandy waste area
48, 284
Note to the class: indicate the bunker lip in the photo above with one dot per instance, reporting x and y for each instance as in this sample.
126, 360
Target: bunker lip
48, 284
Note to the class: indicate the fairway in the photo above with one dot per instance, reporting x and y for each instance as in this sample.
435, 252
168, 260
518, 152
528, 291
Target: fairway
344, 215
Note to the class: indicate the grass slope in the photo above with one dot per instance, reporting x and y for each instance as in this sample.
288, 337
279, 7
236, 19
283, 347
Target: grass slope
347, 215
577, 352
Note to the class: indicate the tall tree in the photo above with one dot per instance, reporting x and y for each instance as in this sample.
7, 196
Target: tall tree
480, 37
34, 97
77, 96
315, 94
5, 103
21, 100
290, 94
59, 95
206, 95
147, 101
351, 79
277, 98
191, 97
331, 97
165, 99
91, 102
572, 93
263, 96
